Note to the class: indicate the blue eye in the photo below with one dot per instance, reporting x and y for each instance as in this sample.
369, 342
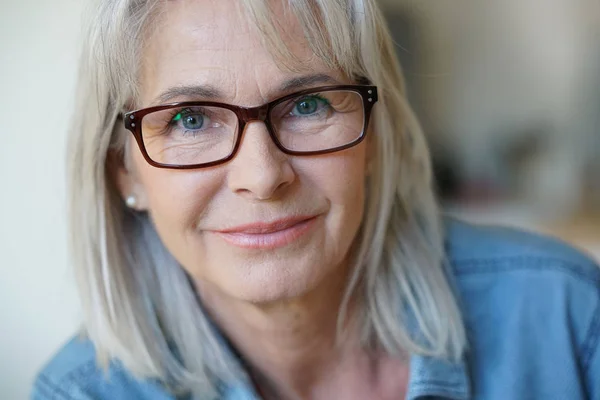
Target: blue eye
190, 121
309, 105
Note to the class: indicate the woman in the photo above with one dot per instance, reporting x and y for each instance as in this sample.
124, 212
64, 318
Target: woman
263, 225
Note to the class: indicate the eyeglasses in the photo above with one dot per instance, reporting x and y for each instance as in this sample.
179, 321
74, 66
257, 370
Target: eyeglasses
200, 134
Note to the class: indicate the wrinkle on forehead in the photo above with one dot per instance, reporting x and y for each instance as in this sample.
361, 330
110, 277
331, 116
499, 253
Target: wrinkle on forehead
213, 42
208, 18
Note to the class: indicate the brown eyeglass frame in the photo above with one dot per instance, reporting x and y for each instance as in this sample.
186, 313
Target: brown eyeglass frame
133, 122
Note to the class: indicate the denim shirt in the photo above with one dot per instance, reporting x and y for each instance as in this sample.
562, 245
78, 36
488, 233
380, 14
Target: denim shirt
531, 308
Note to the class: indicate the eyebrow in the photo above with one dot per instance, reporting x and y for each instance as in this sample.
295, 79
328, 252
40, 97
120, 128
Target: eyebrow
208, 92
301, 82
190, 91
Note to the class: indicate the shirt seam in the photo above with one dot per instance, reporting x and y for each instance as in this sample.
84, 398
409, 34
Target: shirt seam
438, 383
67, 380
80, 371
436, 390
47, 387
40, 387
484, 266
591, 343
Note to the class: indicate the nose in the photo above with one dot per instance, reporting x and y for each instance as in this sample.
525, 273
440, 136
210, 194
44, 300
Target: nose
259, 170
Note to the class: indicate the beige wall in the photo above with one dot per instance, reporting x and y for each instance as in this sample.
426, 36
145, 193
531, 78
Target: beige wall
38, 311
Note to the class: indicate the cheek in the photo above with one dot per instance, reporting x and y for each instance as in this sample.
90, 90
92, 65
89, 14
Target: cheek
340, 178
177, 199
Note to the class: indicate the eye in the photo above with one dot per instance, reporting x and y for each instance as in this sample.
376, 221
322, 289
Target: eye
190, 120
309, 105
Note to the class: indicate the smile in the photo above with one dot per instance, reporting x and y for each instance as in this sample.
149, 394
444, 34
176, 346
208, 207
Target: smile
266, 236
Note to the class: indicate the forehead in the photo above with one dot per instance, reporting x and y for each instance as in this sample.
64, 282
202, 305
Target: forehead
210, 42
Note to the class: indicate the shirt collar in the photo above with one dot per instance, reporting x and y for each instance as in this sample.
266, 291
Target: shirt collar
240, 391
428, 377
438, 378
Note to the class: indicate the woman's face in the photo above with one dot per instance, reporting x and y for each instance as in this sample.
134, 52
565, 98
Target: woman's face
264, 226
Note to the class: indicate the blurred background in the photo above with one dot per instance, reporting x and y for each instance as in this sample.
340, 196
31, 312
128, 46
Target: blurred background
508, 93
38, 305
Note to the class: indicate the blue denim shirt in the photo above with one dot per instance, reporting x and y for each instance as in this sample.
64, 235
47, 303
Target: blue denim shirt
531, 307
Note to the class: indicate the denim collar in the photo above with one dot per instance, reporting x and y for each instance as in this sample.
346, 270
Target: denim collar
438, 378
429, 377
433, 378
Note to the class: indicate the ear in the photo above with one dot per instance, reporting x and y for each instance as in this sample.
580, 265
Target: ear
127, 181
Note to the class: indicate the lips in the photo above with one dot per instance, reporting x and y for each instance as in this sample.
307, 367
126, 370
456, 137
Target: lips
269, 235
261, 227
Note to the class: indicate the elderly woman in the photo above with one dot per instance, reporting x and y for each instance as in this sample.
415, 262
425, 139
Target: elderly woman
252, 217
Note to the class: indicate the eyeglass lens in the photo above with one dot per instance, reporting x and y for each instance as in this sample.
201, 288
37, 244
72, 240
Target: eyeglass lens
203, 134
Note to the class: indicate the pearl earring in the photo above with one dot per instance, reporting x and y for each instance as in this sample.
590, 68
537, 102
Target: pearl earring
131, 201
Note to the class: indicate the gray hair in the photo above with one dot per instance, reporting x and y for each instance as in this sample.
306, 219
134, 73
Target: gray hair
138, 304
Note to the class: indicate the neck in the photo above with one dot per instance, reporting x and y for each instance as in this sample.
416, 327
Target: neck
289, 345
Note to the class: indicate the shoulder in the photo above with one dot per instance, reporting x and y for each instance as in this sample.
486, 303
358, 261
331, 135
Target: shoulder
471, 247
527, 300
524, 263
74, 374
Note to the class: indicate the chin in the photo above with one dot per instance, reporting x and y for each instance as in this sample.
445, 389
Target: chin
274, 282
269, 276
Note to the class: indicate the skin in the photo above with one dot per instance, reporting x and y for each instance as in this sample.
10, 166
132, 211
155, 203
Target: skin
277, 306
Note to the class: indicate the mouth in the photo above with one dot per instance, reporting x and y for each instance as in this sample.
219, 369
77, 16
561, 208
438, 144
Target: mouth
270, 235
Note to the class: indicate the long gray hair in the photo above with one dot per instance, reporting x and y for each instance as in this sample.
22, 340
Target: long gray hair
138, 304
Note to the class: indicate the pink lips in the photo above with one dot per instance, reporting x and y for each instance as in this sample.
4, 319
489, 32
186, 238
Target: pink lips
268, 235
